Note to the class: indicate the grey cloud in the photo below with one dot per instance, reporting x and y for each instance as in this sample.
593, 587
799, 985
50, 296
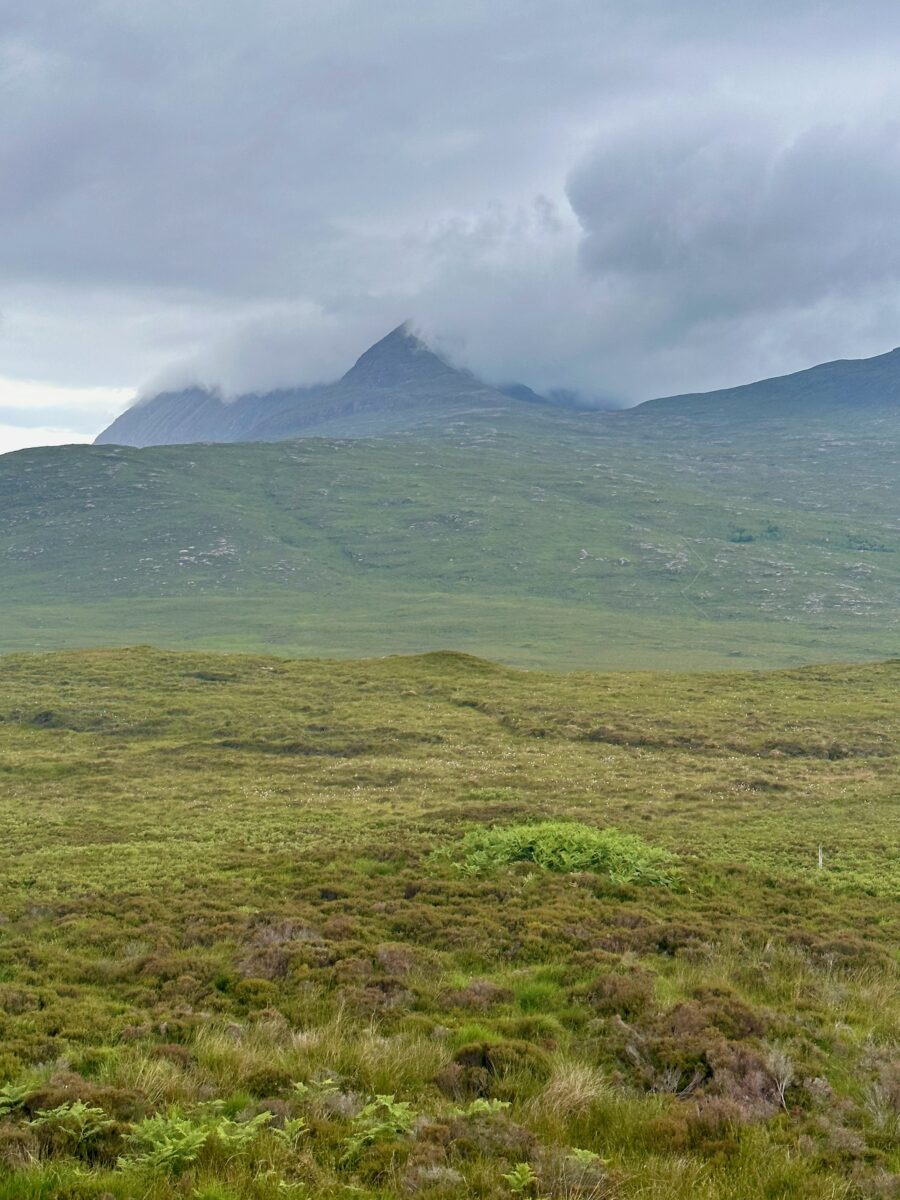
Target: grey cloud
719, 229
152, 146
723, 217
626, 197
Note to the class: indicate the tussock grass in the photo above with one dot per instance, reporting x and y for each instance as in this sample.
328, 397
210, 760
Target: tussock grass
572, 1091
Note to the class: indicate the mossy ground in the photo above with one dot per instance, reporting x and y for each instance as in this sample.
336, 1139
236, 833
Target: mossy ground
220, 882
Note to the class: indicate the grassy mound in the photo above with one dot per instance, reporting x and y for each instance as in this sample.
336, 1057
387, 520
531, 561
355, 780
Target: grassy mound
567, 846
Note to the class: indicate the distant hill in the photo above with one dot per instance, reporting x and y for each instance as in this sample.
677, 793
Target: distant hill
547, 537
872, 384
399, 384
409, 506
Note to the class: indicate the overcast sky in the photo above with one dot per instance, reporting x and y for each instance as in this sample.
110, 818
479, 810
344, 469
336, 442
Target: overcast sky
625, 197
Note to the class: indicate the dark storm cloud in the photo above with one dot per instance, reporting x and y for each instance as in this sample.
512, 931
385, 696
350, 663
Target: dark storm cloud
624, 197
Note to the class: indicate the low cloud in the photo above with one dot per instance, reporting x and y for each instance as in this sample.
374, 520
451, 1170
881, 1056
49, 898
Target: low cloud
626, 199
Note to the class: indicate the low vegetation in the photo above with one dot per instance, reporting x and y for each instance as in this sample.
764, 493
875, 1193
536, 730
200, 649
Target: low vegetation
565, 846
433, 927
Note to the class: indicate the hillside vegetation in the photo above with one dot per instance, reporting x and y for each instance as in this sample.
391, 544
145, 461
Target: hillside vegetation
538, 536
435, 927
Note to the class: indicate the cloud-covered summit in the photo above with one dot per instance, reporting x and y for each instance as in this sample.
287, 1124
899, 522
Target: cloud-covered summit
623, 198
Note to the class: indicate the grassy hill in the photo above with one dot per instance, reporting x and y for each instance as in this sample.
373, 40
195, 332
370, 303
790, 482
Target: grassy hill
855, 387
545, 538
244, 897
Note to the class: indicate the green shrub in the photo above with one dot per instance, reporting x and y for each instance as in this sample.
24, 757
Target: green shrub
214, 1191
538, 996
13, 1097
72, 1127
495, 1070
382, 1119
566, 846
483, 1108
165, 1143
293, 1129
237, 1136
521, 1180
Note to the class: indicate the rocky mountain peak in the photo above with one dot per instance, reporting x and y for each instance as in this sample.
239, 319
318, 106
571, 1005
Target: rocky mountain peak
398, 360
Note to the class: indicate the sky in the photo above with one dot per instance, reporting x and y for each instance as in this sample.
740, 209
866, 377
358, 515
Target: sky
626, 198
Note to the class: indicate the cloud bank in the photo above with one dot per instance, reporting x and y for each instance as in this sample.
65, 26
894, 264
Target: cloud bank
624, 197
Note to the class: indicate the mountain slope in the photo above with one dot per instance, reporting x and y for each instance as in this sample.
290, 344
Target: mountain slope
842, 387
397, 385
548, 537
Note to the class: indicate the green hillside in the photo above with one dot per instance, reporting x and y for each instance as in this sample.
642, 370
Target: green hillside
547, 538
433, 927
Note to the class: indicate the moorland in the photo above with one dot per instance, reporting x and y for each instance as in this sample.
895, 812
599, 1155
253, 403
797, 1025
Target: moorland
431, 926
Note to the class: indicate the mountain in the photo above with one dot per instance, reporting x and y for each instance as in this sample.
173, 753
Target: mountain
837, 388
430, 511
399, 384
521, 391
561, 397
